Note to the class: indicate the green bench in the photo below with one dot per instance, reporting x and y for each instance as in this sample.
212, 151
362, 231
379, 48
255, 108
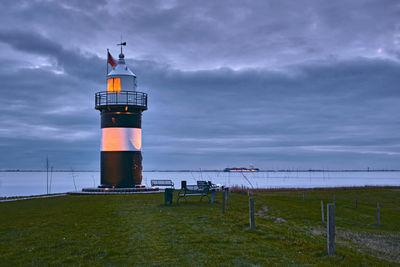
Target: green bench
166, 183
201, 190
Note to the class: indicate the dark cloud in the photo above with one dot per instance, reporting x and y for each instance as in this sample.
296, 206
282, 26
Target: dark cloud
337, 107
277, 84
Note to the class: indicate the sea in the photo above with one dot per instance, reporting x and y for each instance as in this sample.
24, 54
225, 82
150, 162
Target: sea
22, 183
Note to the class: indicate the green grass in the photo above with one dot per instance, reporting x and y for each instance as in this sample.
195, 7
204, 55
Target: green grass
140, 230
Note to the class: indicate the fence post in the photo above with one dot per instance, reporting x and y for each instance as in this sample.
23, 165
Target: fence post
227, 192
356, 204
223, 201
330, 228
378, 211
251, 213
304, 195
212, 200
322, 210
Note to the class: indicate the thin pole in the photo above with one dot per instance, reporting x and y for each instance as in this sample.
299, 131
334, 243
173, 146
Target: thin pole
107, 62
330, 228
251, 213
47, 175
223, 201
378, 210
322, 210
51, 178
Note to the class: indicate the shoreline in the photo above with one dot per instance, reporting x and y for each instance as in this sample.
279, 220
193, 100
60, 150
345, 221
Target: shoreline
234, 189
279, 170
15, 198
300, 189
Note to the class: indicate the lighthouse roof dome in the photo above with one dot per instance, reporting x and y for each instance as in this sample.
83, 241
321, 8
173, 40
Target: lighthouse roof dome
121, 69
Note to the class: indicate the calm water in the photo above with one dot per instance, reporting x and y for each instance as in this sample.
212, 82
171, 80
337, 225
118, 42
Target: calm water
34, 183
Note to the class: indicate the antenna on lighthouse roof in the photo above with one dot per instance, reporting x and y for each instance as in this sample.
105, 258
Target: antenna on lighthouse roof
122, 44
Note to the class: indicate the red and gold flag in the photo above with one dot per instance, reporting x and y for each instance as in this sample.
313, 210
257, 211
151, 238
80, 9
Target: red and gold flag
111, 60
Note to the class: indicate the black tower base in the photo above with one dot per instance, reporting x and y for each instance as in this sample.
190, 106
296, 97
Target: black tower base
121, 169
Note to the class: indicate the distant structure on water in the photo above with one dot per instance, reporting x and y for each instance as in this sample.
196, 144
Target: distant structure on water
121, 108
250, 169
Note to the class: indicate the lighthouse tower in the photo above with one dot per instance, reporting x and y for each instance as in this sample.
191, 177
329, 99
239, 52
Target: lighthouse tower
121, 108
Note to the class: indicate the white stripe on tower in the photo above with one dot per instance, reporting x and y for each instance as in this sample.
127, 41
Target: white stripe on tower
121, 139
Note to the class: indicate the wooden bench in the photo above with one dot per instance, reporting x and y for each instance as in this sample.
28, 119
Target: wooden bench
193, 190
167, 183
202, 184
211, 186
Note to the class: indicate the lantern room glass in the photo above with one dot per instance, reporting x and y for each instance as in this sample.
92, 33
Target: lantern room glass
114, 85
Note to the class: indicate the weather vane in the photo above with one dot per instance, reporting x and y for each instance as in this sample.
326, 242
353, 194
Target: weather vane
122, 44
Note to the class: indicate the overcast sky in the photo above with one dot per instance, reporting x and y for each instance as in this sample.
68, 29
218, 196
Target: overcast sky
278, 84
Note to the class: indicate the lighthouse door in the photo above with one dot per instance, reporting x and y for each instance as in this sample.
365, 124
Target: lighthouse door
137, 167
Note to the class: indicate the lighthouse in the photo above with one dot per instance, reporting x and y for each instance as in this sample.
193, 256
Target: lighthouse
121, 107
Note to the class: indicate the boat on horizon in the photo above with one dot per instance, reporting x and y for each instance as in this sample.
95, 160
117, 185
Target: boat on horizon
234, 169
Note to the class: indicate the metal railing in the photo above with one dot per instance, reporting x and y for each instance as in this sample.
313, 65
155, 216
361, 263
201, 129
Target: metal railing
128, 98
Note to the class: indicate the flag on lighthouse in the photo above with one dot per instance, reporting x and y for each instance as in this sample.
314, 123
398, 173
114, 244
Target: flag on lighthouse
111, 60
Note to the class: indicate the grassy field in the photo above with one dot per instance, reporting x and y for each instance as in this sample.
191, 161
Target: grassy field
140, 230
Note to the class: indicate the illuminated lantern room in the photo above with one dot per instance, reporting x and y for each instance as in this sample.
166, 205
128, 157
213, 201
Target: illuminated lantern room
121, 78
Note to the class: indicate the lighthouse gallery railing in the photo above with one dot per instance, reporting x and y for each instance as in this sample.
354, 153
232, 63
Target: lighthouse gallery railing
130, 98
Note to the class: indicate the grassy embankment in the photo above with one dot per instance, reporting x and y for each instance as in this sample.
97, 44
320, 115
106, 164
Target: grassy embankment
139, 229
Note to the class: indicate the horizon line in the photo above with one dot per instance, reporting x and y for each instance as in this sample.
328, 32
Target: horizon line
211, 170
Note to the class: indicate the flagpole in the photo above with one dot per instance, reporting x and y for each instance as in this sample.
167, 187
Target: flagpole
107, 62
